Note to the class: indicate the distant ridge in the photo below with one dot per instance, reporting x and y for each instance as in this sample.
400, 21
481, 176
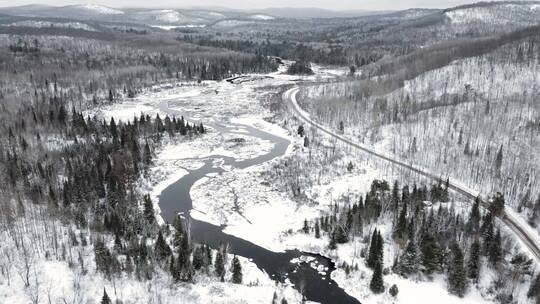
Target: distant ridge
488, 4
312, 12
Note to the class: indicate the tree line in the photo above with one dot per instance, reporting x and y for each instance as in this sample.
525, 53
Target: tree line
432, 238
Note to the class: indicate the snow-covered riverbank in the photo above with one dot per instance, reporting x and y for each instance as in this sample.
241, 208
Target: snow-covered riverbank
248, 202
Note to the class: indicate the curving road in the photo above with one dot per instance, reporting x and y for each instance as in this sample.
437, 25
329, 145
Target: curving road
512, 224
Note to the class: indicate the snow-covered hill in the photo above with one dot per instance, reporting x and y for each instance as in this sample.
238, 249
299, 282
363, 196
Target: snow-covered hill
50, 24
261, 17
99, 9
503, 13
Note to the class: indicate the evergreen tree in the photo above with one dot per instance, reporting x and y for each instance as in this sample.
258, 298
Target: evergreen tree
161, 249
340, 235
149, 209
114, 131
534, 288
236, 271
495, 249
178, 232
473, 264
187, 271
395, 195
430, 253
147, 156
457, 277
376, 252
394, 290
105, 299
117, 243
401, 227
405, 194
409, 259
219, 265
198, 258
332, 244
497, 204
172, 268
275, 298
474, 218
377, 283
498, 161
301, 130
306, 142
317, 230
487, 233
306, 227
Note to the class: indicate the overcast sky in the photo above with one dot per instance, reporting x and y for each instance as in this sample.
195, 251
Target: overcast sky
256, 4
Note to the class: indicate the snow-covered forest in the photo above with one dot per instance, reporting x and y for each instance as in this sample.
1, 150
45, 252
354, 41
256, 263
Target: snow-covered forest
475, 120
201, 156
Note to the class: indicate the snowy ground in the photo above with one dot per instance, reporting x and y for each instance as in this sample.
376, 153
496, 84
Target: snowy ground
248, 204
57, 280
223, 104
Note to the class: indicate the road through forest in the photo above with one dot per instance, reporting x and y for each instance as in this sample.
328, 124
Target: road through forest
506, 218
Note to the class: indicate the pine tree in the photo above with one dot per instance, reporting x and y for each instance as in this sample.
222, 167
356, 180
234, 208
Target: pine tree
340, 235
187, 271
409, 259
161, 249
332, 244
172, 268
301, 130
275, 298
457, 277
377, 283
394, 290
474, 218
198, 258
376, 252
105, 299
114, 131
495, 249
497, 204
430, 253
236, 271
487, 233
149, 209
147, 156
401, 227
498, 161
219, 265
473, 264
184, 250
534, 288
395, 195
306, 227
117, 243
350, 166
178, 232
414, 147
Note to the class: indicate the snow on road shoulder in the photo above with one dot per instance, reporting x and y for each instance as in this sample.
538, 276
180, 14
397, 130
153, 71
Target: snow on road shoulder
531, 232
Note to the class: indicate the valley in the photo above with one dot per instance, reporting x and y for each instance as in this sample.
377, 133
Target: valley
163, 155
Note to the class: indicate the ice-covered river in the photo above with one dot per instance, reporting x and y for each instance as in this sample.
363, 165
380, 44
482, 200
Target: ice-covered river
175, 199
